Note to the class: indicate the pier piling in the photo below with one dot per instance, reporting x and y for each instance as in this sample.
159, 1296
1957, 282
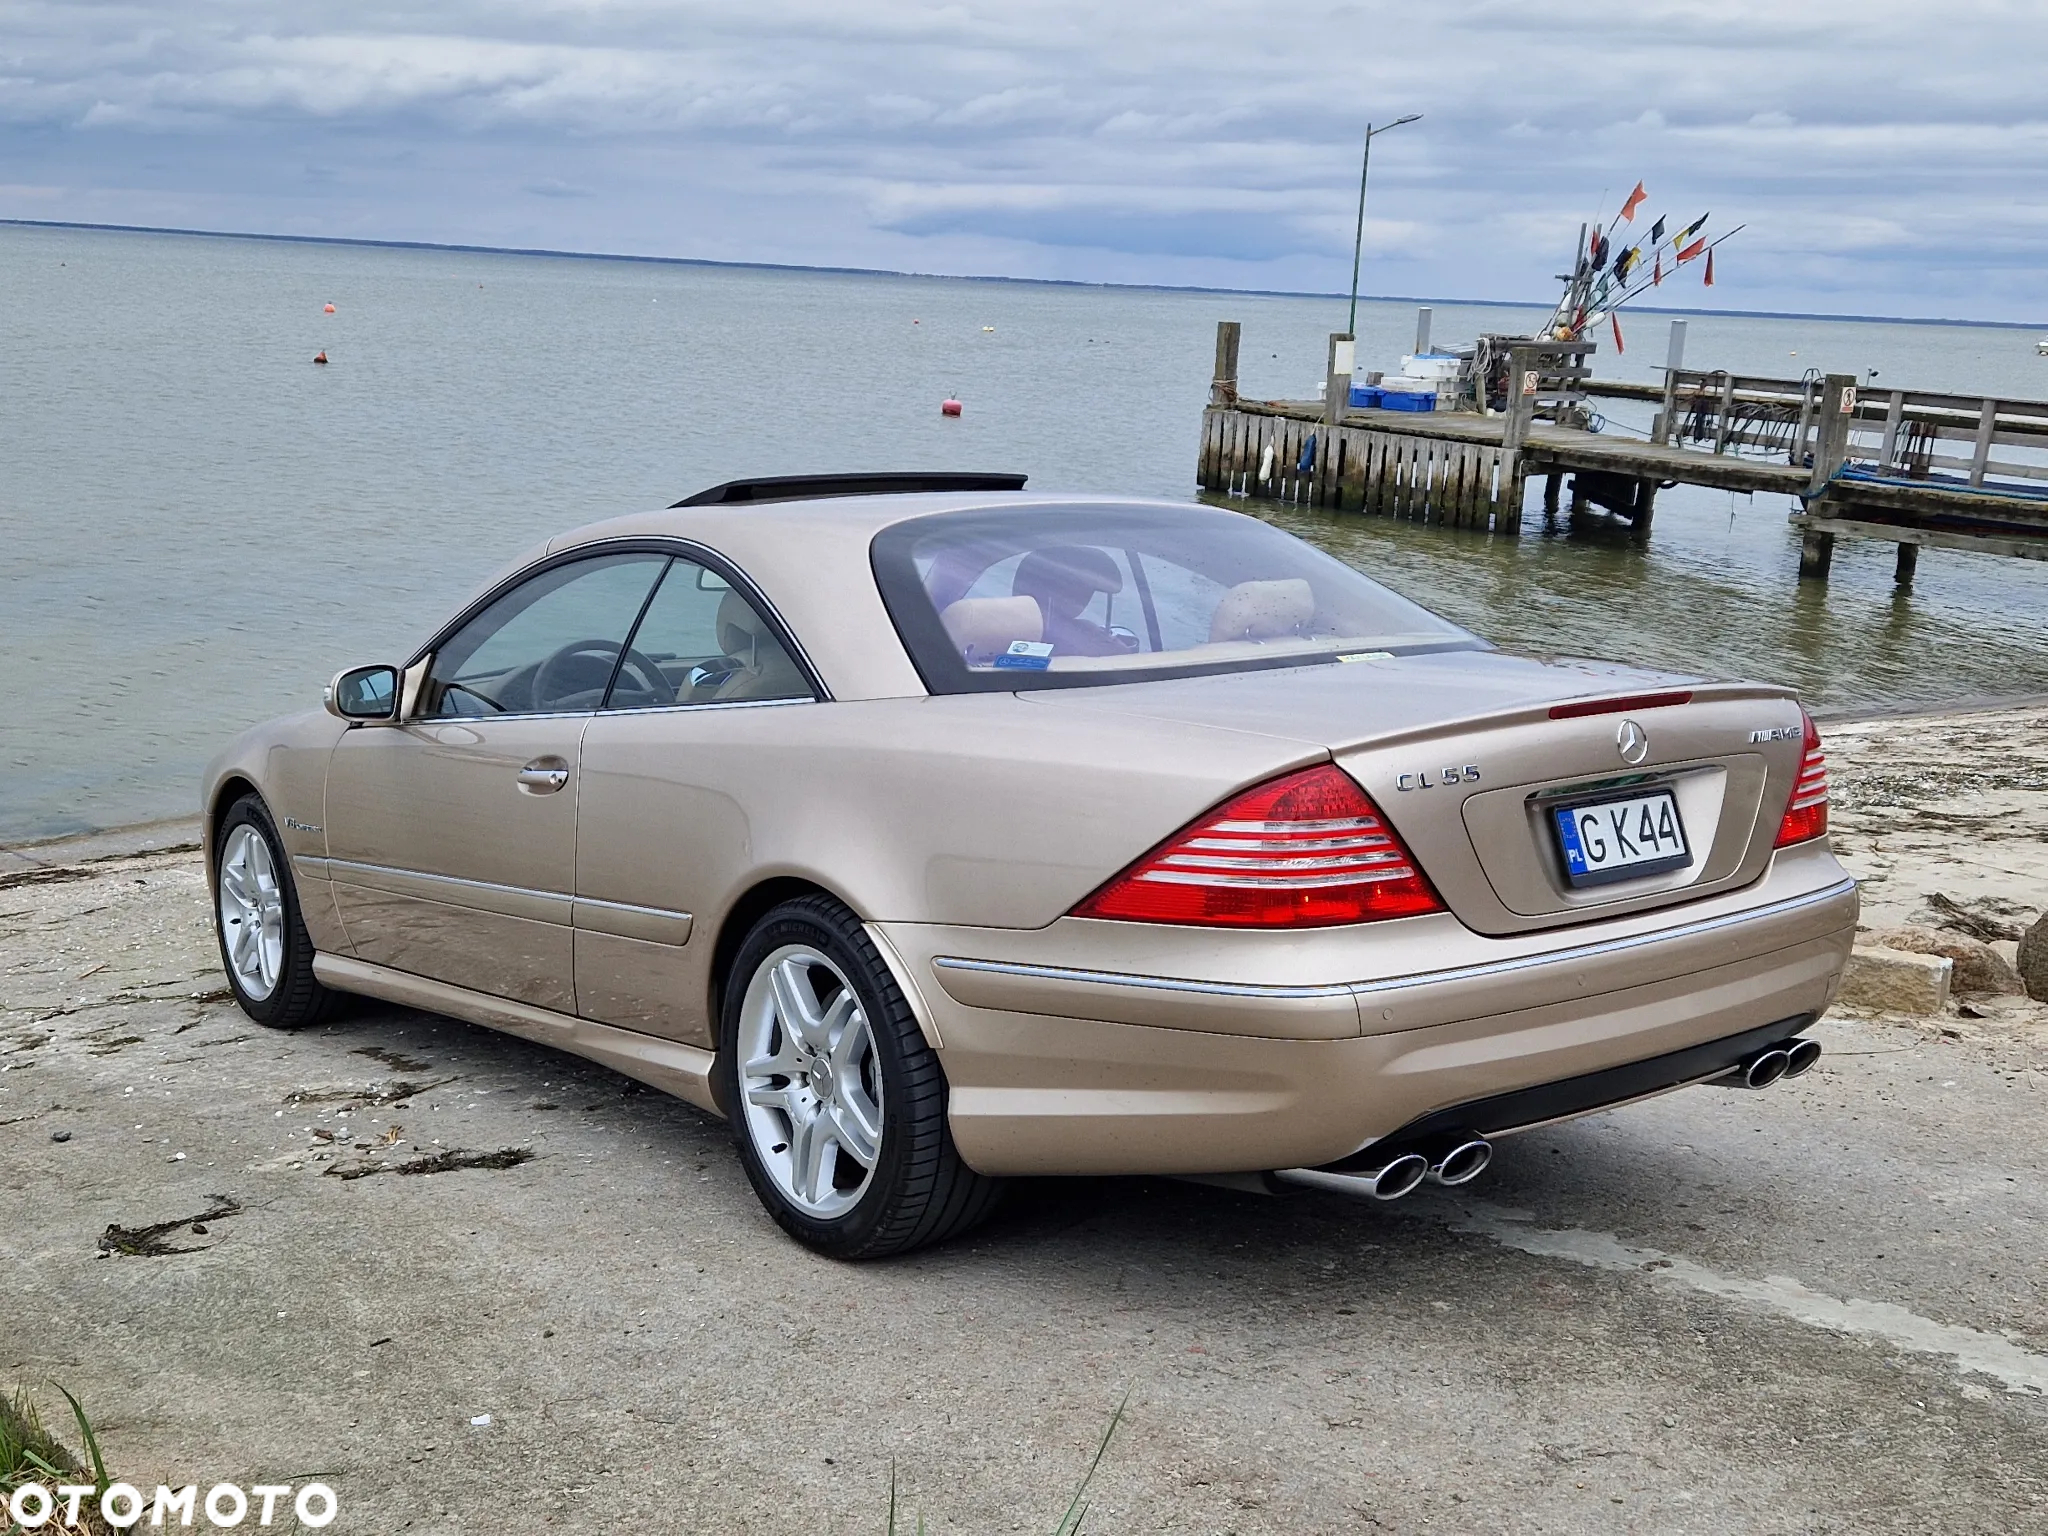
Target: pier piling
1871, 467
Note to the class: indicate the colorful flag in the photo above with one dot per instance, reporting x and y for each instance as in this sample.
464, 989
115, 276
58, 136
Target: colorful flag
1625, 263
1616, 319
1635, 201
1710, 268
1691, 229
1691, 250
1657, 272
1657, 231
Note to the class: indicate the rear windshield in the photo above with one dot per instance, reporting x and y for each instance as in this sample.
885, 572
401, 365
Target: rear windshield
1036, 597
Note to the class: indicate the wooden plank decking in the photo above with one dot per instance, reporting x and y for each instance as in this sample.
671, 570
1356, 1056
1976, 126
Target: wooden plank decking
1870, 467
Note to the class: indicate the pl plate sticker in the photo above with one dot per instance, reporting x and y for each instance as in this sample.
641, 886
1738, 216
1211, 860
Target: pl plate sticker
1030, 655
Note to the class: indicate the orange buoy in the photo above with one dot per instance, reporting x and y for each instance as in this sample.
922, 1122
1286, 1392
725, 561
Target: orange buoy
320, 357
328, 310
949, 407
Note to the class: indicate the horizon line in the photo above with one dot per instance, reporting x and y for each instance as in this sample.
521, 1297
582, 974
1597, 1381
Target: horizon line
970, 277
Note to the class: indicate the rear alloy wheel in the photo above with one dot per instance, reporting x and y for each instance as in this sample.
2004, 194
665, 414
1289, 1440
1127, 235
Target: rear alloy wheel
264, 945
838, 1104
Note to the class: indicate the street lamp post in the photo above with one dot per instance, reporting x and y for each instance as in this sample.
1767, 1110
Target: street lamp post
1358, 240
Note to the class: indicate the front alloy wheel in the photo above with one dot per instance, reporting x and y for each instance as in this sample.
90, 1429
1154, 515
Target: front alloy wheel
264, 946
251, 913
838, 1103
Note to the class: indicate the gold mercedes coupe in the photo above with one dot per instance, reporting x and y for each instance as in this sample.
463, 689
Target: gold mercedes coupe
934, 831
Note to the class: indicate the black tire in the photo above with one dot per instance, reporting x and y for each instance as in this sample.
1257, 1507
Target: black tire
919, 1191
296, 998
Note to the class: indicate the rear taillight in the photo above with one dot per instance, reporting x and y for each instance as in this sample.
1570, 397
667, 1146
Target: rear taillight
1806, 813
1306, 851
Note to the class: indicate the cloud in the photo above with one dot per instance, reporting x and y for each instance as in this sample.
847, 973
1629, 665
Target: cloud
1148, 141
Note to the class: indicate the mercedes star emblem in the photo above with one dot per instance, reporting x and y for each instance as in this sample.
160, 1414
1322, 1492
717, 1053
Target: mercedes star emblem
1633, 742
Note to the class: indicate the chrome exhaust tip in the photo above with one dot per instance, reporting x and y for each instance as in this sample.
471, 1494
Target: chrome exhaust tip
1762, 1069
1462, 1161
1391, 1180
1800, 1057
1765, 1068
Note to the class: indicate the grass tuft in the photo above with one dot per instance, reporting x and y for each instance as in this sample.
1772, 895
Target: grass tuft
29, 1453
1077, 1507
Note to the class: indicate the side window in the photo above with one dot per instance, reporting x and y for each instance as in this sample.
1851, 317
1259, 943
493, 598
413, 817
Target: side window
548, 646
703, 643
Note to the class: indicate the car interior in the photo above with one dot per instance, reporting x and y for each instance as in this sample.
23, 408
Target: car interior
694, 640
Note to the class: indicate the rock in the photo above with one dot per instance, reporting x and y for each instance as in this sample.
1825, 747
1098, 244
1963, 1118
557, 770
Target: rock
1896, 980
2033, 960
1978, 967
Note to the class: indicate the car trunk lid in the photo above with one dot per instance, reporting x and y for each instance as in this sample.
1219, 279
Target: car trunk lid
1471, 755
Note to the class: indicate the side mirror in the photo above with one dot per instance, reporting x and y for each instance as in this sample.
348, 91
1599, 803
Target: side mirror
364, 693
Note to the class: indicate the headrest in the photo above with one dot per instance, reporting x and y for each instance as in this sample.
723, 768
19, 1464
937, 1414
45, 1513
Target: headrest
739, 627
1066, 567
986, 626
1263, 610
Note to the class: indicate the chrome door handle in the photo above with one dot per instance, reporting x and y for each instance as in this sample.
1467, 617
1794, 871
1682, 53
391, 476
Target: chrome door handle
543, 776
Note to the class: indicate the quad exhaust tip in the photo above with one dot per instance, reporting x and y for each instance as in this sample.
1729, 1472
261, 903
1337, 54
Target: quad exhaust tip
1773, 1064
1765, 1068
1462, 1162
1452, 1161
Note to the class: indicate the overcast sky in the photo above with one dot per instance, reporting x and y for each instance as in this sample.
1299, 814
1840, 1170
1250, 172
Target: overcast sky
1887, 157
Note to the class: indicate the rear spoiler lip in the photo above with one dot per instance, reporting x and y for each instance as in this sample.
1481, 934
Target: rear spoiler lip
884, 483
1537, 712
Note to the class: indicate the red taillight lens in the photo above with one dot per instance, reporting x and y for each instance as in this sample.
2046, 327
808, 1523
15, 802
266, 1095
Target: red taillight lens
1306, 851
1806, 813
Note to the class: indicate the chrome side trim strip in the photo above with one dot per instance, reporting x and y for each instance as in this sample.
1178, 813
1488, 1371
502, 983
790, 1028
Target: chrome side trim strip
1404, 983
1608, 946
336, 866
654, 925
1155, 983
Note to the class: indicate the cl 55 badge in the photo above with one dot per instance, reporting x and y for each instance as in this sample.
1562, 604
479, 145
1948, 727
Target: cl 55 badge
1430, 778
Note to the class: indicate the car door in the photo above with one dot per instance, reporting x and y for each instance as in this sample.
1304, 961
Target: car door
452, 833
662, 830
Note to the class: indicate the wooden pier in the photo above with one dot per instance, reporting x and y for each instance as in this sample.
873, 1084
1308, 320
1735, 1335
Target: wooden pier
1859, 463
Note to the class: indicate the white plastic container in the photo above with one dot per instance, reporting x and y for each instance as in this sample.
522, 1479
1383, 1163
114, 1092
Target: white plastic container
1436, 367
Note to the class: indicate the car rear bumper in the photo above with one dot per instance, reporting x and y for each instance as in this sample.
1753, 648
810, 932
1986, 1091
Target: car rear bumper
1075, 1069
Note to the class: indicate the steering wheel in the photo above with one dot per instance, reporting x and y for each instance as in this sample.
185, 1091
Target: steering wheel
570, 671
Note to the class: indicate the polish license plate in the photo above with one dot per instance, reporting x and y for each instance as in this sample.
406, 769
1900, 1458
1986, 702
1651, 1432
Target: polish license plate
1621, 839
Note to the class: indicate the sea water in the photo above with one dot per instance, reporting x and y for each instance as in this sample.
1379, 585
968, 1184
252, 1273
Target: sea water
199, 525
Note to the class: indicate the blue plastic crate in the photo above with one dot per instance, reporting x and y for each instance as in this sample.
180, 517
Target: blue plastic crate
1367, 397
1407, 400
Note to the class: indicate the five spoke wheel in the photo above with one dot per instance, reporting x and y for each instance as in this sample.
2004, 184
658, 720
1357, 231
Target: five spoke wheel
252, 915
811, 1081
837, 1100
264, 945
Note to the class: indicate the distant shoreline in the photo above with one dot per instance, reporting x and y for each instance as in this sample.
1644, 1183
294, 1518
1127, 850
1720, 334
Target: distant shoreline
958, 277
